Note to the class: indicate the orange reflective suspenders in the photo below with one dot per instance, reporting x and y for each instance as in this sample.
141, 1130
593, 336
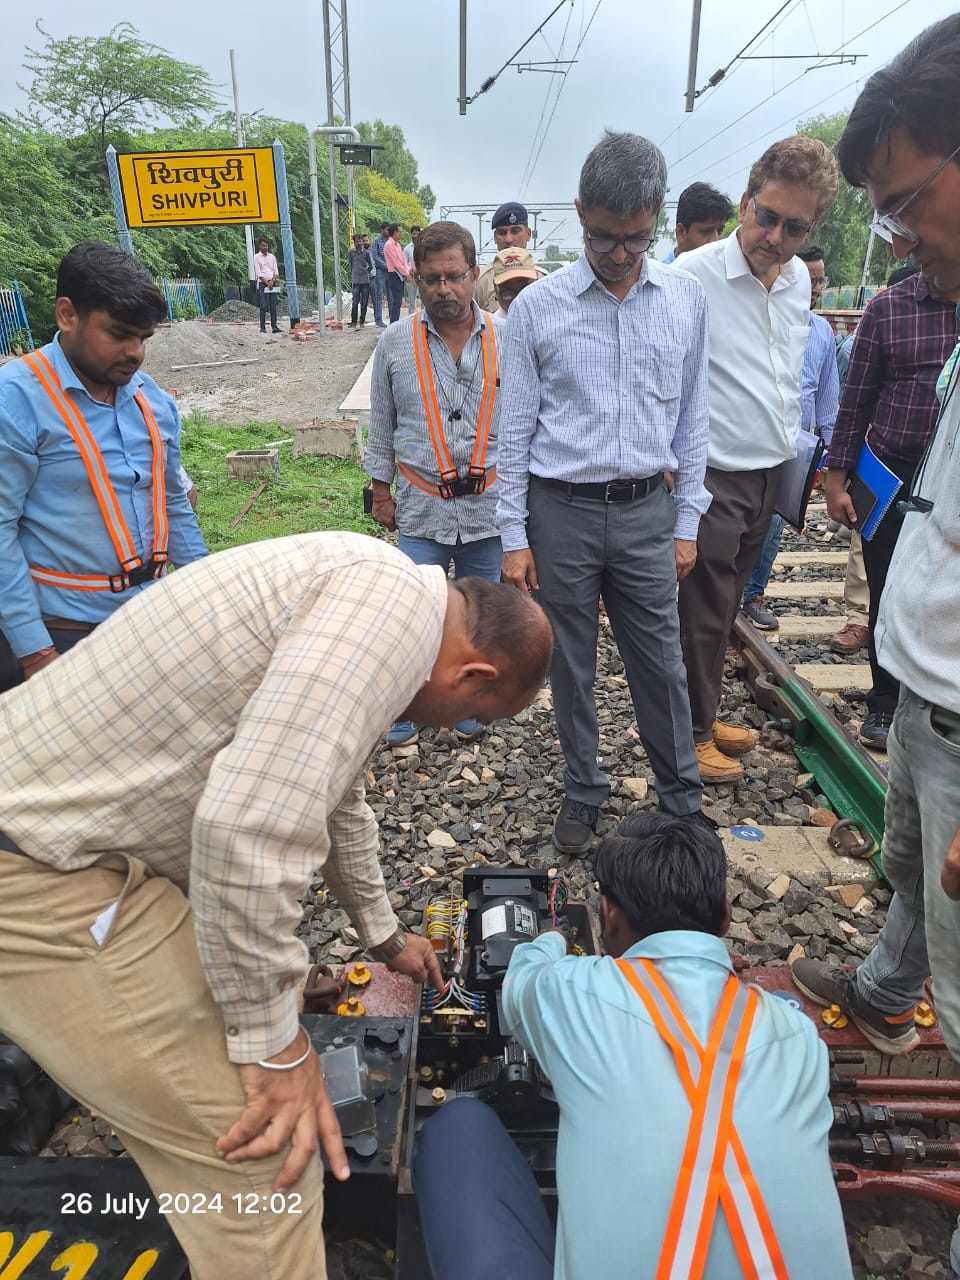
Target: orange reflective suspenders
714, 1168
478, 478
133, 570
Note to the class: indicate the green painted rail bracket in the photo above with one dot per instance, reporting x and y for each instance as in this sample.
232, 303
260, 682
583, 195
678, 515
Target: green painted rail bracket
845, 773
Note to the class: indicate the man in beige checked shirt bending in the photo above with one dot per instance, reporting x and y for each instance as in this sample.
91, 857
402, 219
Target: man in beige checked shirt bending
162, 810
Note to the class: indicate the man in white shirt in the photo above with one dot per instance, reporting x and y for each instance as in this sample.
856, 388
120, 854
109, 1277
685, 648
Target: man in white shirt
268, 284
758, 295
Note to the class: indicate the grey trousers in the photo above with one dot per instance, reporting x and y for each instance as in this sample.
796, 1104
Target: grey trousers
731, 535
622, 553
921, 935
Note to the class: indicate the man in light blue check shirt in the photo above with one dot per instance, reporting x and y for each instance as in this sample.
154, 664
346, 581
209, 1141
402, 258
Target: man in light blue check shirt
434, 409
604, 384
819, 405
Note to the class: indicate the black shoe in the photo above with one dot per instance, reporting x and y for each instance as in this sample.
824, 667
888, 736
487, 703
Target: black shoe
276, 330
574, 827
874, 730
827, 985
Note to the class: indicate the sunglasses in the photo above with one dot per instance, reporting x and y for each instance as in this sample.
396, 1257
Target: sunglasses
795, 228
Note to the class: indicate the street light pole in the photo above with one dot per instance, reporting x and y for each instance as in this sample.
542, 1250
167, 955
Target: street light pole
345, 133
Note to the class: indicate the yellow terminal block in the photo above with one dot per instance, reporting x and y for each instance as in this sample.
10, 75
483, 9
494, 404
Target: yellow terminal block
834, 1017
359, 975
351, 1008
924, 1016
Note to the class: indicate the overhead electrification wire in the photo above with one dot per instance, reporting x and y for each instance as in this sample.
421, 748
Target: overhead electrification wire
552, 85
531, 168
721, 73
770, 97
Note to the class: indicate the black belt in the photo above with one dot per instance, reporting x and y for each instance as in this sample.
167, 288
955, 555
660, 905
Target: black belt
8, 846
611, 491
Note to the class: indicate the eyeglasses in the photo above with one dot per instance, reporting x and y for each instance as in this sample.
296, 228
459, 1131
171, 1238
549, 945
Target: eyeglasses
434, 282
888, 225
511, 290
823, 281
601, 243
795, 228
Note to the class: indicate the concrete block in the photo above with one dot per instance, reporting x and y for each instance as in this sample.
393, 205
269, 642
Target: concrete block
325, 439
249, 464
789, 850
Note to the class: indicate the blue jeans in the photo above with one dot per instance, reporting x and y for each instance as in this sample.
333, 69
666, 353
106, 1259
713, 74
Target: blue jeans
470, 559
921, 935
481, 1212
395, 285
760, 574
379, 289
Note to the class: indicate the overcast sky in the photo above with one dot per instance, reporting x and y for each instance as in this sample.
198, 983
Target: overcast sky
520, 140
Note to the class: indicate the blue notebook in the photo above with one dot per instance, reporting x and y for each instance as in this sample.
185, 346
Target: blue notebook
873, 488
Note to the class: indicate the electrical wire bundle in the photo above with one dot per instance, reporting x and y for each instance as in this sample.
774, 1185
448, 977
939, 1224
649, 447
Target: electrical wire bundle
447, 920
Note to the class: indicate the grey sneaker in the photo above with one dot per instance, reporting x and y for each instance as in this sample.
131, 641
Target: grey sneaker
760, 616
825, 984
574, 827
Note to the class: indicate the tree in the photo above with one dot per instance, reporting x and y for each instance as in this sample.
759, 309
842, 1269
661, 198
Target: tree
396, 161
97, 86
845, 229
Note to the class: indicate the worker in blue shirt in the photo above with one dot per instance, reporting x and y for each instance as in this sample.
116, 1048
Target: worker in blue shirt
628, 1041
92, 504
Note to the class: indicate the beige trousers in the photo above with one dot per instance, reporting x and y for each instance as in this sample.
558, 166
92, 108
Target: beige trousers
856, 593
128, 1026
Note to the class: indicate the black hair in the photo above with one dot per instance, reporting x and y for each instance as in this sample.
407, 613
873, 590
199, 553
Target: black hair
702, 203
665, 872
445, 235
919, 90
508, 629
101, 277
392, 228
383, 226
902, 273
811, 253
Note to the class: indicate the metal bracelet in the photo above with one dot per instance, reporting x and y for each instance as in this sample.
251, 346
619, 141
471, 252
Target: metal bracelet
289, 1066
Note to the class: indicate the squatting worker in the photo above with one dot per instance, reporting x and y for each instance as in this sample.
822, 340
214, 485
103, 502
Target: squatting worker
759, 296
627, 1121
92, 506
434, 410
605, 389
170, 821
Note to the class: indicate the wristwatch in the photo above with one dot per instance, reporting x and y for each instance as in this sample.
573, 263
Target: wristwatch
390, 950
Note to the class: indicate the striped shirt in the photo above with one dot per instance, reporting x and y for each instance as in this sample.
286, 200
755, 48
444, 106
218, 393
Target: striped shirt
595, 389
398, 430
229, 757
902, 343
820, 396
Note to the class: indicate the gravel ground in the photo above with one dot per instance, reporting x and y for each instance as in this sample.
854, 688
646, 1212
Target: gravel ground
442, 804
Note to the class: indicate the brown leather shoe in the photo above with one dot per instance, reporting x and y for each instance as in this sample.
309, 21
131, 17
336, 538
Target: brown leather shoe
714, 766
733, 739
850, 638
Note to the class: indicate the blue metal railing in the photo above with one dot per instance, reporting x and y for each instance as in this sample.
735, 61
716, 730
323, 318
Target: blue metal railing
15, 335
183, 297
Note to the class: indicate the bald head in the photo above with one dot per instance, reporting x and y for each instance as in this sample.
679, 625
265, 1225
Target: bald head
494, 656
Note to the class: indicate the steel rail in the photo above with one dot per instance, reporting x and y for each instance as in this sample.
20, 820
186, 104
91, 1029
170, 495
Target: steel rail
845, 772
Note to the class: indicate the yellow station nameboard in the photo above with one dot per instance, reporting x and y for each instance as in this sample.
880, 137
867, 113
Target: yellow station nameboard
194, 188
